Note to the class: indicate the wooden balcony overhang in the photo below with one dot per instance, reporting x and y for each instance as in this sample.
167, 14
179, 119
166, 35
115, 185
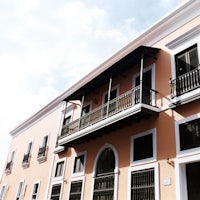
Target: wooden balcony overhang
131, 59
132, 115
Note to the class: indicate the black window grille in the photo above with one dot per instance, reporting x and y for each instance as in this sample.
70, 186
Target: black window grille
105, 177
55, 193
143, 185
76, 190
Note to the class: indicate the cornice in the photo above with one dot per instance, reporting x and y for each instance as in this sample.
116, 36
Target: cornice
185, 37
37, 116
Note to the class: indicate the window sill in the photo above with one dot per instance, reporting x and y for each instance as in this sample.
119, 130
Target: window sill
142, 162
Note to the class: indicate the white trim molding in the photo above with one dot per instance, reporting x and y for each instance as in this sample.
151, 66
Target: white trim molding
147, 160
74, 179
180, 175
82, 173
191, 151
116, 170
64, 160
155, 166
38, 191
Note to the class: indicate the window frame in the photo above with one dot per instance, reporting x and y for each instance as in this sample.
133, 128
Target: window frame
76, 179
143, 167
10, 163
19, 190
191, 151
154, 147
43, 158
80, 173
135, 76
56, 178
3, 191
186, 54
28, 153
116, 170
85, 116
61, 188
37, 194
116, 87
104, 109
178, 45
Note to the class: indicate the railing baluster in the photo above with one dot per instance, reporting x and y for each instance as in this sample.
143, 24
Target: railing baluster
120, 103
185, 83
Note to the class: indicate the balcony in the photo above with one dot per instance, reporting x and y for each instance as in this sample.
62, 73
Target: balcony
124, 109
8, 167
185, 83
25, 161
42, 154
186, 86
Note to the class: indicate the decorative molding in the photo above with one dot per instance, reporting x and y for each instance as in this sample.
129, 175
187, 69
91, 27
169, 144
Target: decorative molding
52, 106
185, 37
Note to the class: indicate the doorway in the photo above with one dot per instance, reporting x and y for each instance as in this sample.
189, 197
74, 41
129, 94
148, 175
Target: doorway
146, 87
193, 180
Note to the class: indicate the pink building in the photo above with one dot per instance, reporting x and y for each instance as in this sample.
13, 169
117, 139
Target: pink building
129, 130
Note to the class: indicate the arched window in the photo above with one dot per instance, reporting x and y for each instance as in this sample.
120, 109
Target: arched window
105, 177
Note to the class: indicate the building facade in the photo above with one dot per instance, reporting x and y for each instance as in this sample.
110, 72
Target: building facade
129, 130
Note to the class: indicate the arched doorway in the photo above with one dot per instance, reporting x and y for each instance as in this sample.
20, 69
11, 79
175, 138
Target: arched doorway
105, 178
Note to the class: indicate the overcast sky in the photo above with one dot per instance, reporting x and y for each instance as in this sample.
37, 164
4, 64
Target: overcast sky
47, 45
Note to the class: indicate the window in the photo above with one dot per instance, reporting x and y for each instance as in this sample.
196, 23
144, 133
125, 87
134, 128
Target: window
146, 88
143, 147
2, 192
10, 163
105, 177
112, 104
12, 156
84, 115
76, 190
79, 163
65, 128
67, 120
59, 169
189, 134
55, 192
27, 155
187, 72
35, 191
143, 184
44, 143
186, 61
43, 149
19, 191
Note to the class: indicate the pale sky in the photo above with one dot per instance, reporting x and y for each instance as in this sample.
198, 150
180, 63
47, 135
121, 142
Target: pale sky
47, 45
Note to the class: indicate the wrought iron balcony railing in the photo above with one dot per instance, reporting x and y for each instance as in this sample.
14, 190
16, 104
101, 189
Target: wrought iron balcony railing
25, 161
8, 167
26, 158
42, 154
185, 83
120, 103
104, 187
